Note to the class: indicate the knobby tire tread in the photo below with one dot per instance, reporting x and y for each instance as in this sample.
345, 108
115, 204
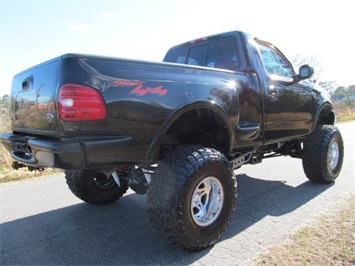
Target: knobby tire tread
170, 182
82, 187
314, 159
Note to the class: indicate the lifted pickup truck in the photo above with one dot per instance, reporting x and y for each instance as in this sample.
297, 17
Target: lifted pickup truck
176, 130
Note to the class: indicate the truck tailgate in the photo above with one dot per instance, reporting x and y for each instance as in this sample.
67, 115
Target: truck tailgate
33, 105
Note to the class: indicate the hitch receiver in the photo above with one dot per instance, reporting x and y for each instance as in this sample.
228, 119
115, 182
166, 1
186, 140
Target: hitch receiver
16, 165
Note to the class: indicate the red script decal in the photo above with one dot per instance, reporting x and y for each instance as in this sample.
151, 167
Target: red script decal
139, 88
155, 90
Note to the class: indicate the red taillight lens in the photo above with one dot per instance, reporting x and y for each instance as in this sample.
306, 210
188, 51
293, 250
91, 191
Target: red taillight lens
80, 103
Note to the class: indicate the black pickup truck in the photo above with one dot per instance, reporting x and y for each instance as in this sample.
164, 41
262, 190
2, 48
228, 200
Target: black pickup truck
176, 130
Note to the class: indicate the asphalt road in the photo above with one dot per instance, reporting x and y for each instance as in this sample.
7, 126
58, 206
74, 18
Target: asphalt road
43, 223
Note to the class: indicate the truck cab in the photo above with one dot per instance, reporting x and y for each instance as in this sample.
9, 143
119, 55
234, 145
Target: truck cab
277, 102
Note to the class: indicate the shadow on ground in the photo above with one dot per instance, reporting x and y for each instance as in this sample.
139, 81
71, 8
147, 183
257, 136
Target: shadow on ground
120, 233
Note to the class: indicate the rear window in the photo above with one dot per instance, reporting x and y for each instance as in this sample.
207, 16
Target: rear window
177, 55
221, 52
197, 55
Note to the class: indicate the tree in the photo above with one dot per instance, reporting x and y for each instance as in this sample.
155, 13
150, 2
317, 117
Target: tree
351, 90
340, 93
329, 86
311, 60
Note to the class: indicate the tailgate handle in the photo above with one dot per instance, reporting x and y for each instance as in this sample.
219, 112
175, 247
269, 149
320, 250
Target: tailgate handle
26, 83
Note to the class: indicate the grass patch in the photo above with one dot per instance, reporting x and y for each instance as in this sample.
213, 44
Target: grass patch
345, 111
346, 115
7, 174
327, 241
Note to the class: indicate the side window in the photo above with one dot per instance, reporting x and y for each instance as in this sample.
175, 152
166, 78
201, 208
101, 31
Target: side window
275, 63
222, 53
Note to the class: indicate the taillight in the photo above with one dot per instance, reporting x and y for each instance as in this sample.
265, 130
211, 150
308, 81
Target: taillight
199, 40
80, 103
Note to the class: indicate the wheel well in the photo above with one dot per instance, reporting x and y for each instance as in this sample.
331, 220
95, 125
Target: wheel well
326, 116
202, 127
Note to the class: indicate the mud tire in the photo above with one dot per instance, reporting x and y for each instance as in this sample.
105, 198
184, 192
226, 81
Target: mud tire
83, 184
176, 200
323, 154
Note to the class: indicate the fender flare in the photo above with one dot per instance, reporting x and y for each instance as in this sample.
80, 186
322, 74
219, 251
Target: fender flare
177, 113
324, 108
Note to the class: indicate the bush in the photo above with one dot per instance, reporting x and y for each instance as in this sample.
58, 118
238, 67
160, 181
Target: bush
5, 127
345, 110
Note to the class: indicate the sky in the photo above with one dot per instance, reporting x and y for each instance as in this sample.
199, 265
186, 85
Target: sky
32, 32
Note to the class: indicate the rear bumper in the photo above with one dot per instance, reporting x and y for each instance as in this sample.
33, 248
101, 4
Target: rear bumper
78, 153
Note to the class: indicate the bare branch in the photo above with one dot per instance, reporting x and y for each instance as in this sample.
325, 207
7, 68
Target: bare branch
311, 60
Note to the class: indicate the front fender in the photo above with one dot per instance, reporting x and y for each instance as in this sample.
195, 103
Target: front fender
323, 108
324, 115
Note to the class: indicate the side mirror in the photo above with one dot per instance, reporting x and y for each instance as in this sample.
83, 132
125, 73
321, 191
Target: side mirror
305, 72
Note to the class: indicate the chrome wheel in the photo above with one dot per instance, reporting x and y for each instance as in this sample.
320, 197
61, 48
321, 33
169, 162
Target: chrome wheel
333, 155
207, 201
